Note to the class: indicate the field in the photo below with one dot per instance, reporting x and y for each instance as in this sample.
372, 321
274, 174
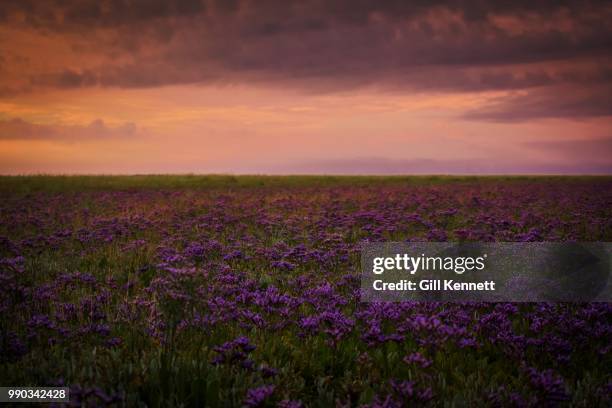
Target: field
231, 291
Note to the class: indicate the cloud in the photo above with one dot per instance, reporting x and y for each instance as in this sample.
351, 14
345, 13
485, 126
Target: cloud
322, 46
18, 129
547, 104
66, 79
70, 15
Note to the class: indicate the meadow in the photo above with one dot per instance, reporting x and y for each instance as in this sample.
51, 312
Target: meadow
169, 291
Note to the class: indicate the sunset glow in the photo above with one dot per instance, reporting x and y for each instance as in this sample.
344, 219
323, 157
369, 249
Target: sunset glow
304, 87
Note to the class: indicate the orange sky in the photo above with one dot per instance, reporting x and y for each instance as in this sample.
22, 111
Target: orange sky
304, 88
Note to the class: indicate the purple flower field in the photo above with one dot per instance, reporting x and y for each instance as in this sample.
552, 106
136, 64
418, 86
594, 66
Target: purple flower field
244, 291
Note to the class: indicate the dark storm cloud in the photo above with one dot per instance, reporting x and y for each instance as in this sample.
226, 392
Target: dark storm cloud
63, 15
308, 13
323, 46
66, 79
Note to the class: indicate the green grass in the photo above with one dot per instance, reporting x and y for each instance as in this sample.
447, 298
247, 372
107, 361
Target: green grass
51, 183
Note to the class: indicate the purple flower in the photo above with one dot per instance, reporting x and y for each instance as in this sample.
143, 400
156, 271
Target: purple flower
234, 351
113, 342
548, 383
256, 396
283, 265
418, 359
267, 372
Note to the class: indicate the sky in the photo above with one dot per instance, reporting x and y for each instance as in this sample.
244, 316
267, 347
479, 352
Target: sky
308, 86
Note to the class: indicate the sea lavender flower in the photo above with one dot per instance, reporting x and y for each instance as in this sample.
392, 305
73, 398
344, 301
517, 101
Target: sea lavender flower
288, 266
235, 351
267, 372
256, 396
418, 359
548, 383
113, 342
